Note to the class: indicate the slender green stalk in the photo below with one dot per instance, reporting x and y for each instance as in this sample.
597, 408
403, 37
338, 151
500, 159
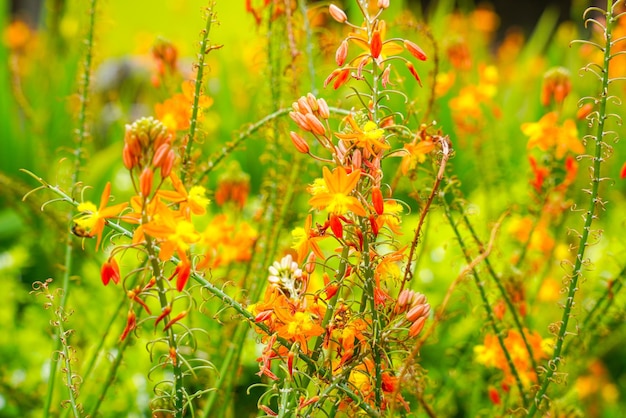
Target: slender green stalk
486, 305
589, 215
204, 49
110, 377
78, 150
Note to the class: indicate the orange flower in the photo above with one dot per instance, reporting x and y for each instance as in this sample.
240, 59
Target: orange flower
193, 201
92, 219
337, 199
175, 112
547, 134
305, 239
369, 137
173, 233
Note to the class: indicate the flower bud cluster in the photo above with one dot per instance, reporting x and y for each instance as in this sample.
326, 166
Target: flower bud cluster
288, 277
556, 86
148, 147
416, 307
308, 113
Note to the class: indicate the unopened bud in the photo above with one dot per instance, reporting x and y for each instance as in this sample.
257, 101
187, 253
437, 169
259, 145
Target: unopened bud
376, 45
337, 14
342, 53
323, 109
415, 50
168, 163
383, 4
312, 102
317, 127
145, 181
303, 105
299, 142
417, 327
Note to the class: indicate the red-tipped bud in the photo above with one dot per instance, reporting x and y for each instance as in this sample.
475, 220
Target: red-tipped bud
374, 224
299, 142
337, 14
317, 127
164, 312
376, 45
342, 53
377, 200
263, 316
168, 163
110, 271
323, 109
268, 410
494, 396
622, 172
414, 73
383, 4
415, 50
145, 181
330, 289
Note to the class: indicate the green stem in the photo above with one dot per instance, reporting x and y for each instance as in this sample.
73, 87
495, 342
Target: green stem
67, 367
486, 305
204, 49
589, 216
503, 293
80, 138
110, 377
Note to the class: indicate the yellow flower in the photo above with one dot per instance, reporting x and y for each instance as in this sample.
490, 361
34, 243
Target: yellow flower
92, 219
337, 199
547, 134
369, 137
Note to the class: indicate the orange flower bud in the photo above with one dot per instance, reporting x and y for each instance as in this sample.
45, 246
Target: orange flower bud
417, 326
337, 14
416, 312
300, 120
584, 111
175, 320
183, 270
317, 127
341, 78
127, 157
323, 109
413, 72
383, 4
622, 172
342, 53
131, 324
263, 316
377, 200
160, 154
168, 163
310, 263
303, 105
290, 357
299, 142
310, 99
145, 181
164, 312
110, 271
376, 45
415, 50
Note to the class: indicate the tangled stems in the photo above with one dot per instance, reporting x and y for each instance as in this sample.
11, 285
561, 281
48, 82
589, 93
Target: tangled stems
81, 134
488, 308
588, 216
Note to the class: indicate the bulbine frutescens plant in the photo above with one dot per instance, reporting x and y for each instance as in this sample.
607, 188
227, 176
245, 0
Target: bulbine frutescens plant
338, 319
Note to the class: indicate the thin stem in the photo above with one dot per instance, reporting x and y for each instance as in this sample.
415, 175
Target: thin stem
486, 305
204, 49
81, 134
589, 216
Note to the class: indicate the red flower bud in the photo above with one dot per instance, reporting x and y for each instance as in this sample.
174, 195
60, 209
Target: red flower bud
415, 50
341, 54
413, 72
110, 271
377, 200
376, 45
145, 181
